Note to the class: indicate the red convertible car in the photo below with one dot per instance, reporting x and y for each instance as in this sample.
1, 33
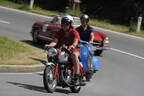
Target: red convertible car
44, 31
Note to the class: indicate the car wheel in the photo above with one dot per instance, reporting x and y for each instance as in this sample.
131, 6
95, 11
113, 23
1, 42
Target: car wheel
35, 36
98, 52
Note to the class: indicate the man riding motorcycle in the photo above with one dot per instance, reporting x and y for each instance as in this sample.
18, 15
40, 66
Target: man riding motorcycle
86, 33
68, 36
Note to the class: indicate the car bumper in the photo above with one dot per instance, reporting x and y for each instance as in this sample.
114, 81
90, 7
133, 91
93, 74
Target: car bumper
100, 48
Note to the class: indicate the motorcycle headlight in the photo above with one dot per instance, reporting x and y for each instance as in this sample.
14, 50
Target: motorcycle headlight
106, 40
63, 58
52, 52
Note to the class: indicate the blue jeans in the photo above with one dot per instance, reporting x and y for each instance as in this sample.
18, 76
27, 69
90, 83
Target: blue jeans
90, 51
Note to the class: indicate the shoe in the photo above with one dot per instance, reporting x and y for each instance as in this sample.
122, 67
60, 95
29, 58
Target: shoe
94, 71
76, 80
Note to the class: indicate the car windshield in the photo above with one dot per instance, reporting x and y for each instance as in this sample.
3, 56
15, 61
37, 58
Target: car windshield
56, 20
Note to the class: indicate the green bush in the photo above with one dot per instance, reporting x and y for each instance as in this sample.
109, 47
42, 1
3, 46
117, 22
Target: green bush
132, 27
77, 12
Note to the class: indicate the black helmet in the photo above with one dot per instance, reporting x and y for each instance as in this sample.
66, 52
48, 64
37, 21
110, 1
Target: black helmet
84, 17
67, 20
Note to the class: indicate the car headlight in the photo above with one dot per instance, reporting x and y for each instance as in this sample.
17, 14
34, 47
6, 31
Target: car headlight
106, 40
52, 52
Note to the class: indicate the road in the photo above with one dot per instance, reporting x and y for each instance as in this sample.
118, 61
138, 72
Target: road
121, 72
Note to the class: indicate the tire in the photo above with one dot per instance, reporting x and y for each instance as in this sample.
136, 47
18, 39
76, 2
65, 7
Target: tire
75, 89
49, 83
35, 36
98, 52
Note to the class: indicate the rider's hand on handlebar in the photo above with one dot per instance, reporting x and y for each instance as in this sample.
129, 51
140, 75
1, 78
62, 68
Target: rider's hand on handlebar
90, 42
71, 47
46, 47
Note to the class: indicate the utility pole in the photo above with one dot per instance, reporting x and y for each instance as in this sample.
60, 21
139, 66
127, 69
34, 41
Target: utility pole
31, 4
76, 4
139, 23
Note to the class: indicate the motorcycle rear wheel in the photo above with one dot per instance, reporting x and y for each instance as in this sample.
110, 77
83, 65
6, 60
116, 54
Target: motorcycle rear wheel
49, 83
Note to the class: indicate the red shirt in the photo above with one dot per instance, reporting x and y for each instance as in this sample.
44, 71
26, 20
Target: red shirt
61, 38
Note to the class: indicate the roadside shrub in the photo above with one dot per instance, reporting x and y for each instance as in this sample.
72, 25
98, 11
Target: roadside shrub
132, 27
77, 12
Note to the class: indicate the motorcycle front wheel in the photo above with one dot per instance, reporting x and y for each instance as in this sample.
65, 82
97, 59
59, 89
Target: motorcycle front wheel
67, 79
49, 82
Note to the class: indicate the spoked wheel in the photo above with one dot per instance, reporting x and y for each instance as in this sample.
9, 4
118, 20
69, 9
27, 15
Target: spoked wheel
35, 36
49, 82
67, 78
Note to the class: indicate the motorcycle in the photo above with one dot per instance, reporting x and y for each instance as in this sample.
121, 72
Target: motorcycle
59, 70
85, 62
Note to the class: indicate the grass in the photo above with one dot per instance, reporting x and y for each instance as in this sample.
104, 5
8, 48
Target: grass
41, 11
13, 52
107, 25
119, 28
10, 4
25, 7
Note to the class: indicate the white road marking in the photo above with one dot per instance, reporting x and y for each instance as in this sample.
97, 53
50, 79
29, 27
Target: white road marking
25, 12
127, 53
119, 33
14, 73
20, 73
2, 21
41, 72
74, 17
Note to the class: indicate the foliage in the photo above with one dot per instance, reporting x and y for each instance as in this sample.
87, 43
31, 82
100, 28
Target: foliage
77, 12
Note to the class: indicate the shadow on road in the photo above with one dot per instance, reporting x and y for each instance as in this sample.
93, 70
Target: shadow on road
40, 46
40, 60
38, 88
30, 87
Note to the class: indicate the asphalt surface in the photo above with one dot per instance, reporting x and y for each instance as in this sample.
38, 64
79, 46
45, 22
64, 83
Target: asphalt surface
121, 67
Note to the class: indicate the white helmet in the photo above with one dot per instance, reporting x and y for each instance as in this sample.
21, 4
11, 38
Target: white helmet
67, 19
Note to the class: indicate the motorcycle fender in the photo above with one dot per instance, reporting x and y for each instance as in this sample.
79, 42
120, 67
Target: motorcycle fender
55, 72
96, 64
49, 63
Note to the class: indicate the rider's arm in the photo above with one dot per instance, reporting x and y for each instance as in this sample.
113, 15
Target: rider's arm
52, 44
91, 35
76, 38
75, 43
91, 38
